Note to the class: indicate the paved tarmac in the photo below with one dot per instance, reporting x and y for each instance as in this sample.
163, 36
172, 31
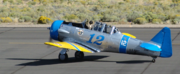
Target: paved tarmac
22, 52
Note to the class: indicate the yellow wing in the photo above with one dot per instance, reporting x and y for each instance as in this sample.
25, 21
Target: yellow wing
130, 35
68, 45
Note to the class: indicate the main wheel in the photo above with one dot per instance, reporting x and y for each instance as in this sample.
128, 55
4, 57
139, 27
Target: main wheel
79, 55
63, 57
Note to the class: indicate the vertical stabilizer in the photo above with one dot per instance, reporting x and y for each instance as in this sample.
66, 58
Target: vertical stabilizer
163, 38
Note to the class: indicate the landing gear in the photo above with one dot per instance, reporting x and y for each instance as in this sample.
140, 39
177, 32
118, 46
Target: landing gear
154, 59
79, 55
63, 55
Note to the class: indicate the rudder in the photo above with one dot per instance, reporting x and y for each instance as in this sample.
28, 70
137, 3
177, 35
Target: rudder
163, 38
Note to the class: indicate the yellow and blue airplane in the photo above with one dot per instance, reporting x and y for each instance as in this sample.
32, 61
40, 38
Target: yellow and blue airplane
105, 38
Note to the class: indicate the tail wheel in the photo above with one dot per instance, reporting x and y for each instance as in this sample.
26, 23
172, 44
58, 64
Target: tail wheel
63, 57
79, 55
154, 60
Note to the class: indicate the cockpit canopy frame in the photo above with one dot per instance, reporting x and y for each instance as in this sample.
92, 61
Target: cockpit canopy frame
102, 27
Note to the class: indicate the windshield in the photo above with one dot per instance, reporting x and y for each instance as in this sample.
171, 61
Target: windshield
107, 29
98, 26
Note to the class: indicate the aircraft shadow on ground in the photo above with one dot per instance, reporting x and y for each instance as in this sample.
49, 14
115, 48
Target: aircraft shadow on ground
93, 58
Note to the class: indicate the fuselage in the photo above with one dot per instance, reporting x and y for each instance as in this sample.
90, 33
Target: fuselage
103, 41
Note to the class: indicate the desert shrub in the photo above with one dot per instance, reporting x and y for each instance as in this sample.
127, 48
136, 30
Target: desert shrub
25, 9
92, 3
27, 19
120, 3
4, 14
10, 1
40, 9
156, 21
140, 21
4, 9
132, 16
123, 21
82, 16
45, 2
1, 20
176, 19
19, 1
175, 1
6, 19
109, 18
31, 3
156, 3
97, 17
34, 21
20, 20
44, 20
163, 17
14, 14
100, 1
127, 1
83, 3
150, 16
96, 8
106, 18
37, 1
70, 16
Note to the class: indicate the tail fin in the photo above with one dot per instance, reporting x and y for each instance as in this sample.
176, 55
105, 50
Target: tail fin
163, 38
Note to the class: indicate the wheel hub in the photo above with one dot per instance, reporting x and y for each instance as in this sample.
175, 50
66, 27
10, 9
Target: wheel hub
62, 56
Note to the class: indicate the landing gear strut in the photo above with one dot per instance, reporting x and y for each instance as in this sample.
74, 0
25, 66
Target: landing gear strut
79, 55
154, 59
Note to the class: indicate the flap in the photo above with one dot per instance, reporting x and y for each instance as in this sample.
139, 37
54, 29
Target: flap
72, 46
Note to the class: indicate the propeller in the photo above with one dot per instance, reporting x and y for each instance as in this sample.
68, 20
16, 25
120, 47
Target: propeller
50, 39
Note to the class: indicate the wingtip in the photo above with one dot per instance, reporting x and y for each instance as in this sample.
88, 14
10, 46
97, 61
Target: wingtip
46, 42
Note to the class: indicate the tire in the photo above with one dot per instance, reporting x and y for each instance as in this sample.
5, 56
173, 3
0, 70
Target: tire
63, 57
79, 55
153, 60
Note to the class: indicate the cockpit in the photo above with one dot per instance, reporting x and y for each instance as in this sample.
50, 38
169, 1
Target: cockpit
102, 27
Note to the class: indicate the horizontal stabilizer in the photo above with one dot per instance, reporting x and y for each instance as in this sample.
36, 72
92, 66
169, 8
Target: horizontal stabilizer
150, 47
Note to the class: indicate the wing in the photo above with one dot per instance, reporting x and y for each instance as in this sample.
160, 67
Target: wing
72, 46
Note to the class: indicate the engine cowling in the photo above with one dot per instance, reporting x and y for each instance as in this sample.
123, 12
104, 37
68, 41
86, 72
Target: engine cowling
54, 29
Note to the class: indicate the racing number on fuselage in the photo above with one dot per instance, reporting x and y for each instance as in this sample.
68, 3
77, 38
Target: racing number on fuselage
99, 40
123, 43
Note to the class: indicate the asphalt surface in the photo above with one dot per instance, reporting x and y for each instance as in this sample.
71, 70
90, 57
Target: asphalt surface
22, 52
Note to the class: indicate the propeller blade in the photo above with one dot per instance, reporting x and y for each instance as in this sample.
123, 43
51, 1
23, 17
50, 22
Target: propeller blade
50, 40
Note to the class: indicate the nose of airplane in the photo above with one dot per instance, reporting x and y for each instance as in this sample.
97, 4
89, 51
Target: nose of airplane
54, 29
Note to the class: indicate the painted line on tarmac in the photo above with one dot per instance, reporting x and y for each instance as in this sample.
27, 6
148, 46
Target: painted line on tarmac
175, 43
24, 43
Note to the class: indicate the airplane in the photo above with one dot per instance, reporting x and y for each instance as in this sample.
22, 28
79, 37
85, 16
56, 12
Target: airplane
105, 38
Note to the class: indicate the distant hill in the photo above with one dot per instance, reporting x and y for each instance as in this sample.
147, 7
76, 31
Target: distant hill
119, 11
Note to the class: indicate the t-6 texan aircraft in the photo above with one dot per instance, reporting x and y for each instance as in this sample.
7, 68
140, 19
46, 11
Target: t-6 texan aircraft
105, 38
